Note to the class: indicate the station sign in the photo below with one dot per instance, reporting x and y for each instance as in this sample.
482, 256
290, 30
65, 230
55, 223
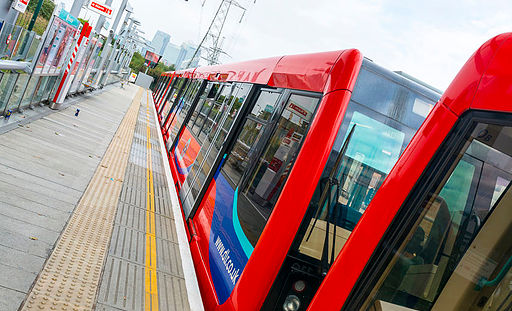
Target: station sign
100, 8
68, 18
20, 5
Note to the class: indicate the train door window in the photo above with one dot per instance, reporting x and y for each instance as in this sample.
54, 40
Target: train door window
167, 96
175, 98
456, 252
268, 169
206, 107
163, 88
184, 107
177, 103
171, 97
209, 151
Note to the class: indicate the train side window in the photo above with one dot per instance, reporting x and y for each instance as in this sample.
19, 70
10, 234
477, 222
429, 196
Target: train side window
373, 149
461, 236
171, 110
203, 108
183, 108
219, 121
166, 107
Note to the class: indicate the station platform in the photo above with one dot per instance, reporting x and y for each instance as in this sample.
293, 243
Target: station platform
89, 217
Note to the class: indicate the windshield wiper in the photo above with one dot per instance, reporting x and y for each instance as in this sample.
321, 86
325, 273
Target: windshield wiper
332, 211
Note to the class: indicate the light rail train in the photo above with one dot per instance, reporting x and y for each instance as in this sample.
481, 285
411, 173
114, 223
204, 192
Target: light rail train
326, 182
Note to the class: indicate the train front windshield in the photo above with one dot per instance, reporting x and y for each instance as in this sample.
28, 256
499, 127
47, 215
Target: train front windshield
381, 118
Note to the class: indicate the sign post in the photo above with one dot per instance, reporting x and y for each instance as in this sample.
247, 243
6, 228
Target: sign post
100, 8
20, 5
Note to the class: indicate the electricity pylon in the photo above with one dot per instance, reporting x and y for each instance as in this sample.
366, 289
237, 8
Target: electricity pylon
212, 41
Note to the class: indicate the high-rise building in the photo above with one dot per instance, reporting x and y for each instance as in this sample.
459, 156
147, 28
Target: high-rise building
171, 54
160, 42
186, 52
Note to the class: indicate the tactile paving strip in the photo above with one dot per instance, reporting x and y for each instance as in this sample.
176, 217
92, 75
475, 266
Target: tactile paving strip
144, 268
71, 276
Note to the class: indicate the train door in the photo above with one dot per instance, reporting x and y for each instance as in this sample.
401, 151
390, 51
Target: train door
162, 84
172, 100
167, 83
178, 103
449, 247
189, 141
240, 197
184, 111
218, 123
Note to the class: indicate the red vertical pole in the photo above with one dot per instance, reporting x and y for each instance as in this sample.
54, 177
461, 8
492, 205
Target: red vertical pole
85, 30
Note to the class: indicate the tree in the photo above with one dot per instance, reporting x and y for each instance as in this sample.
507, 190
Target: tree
137, 65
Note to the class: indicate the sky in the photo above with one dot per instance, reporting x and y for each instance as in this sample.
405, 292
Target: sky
429, 40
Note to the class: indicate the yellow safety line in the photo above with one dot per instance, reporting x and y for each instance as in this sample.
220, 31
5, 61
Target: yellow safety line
151, 301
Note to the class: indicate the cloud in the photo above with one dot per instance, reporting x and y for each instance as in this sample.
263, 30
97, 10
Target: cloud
429, 40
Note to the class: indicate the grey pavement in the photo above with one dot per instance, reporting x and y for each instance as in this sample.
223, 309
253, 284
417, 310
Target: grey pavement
45, 166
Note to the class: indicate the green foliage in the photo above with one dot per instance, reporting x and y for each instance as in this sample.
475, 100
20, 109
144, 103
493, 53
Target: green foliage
137, 65
46, 9
137, 62
42, 18
83, 21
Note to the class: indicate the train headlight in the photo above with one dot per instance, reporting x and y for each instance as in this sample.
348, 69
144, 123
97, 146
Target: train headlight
291, 303
299, 286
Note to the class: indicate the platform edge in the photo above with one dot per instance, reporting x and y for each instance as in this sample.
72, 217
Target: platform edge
194, 295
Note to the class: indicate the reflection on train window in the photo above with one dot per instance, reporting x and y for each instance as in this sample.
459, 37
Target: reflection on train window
171, 98
176, 103
267, 162
239, 158
384, 116
184, 107
435, 268
371, 152
203, 108
218, 122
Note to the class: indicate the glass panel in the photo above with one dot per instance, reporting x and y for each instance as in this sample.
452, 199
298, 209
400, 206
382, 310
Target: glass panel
41, 90
32, 50
188, 145
50, 88
203, 164
379, 93
31, 87
17, 92
384, 116
176, 103
206, 107
6, 86
435, 267
171, 97
239, 158
259, 195
184, 108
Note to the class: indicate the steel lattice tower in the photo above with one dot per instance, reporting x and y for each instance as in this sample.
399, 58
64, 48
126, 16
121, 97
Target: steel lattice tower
212, 41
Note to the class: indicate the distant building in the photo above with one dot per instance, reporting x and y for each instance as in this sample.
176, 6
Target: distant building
180, 56
171, 54
186, 52
160, 42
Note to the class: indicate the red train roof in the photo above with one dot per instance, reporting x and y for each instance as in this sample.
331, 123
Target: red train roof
319, 72
485, 81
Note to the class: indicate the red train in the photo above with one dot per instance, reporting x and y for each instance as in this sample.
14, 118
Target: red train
277, 163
